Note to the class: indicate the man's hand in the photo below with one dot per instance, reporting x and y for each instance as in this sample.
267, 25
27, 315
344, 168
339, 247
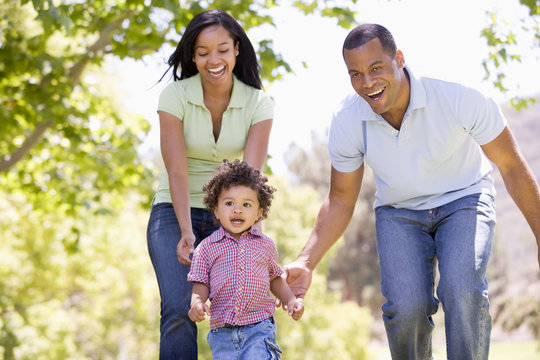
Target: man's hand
298, 276
185, 248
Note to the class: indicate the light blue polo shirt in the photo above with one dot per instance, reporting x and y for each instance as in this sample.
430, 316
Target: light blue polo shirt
434, 158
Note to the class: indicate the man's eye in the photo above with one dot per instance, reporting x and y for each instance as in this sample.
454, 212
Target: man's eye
355, 75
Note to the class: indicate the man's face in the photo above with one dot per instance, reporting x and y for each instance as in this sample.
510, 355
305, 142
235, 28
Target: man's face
377, 76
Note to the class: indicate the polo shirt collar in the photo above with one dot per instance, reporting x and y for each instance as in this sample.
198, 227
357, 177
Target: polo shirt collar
418, 92
194, 91
221, 233
417, 98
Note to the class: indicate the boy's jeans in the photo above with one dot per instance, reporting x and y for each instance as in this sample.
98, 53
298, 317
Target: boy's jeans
255, 341
458, 236
178, 339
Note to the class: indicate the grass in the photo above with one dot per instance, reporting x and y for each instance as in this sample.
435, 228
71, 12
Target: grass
529, 350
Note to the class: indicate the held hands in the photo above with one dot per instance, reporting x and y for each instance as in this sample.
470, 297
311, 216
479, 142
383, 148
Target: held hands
298, 276
198, 311
295, 308
185, 248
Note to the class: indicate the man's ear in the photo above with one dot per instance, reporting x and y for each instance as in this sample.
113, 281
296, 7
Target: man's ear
400, 59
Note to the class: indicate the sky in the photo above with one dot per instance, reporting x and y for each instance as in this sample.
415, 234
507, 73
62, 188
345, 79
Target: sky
439, 39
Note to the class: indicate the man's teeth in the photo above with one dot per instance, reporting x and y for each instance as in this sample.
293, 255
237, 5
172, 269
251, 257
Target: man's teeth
376, 92
217, 69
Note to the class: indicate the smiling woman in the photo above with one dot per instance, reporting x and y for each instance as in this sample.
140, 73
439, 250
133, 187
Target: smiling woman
214, 110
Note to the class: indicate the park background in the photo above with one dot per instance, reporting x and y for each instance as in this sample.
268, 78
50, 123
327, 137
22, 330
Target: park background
79, 161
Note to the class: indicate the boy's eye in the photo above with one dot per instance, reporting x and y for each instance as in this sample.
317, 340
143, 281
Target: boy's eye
247, 205
228, 203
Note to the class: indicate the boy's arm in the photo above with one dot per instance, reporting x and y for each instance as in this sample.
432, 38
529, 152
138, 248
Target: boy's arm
198, 302
283, 292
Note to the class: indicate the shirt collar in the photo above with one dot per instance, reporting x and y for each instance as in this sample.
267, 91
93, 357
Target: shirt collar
418, 92
221, 233
194, 91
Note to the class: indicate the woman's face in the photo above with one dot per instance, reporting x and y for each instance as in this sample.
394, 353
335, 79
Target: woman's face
214, 54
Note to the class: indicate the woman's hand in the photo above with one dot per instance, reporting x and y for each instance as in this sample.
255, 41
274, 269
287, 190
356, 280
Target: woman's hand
185, 248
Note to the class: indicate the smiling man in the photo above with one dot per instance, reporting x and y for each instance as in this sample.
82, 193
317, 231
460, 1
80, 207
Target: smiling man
431, 145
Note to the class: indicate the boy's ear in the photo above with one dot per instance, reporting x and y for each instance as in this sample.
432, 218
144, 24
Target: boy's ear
260, 213
215, 213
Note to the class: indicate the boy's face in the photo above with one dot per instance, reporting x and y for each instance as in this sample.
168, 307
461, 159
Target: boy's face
237, 209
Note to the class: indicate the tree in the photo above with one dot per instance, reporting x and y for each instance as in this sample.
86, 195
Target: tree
354, 271
502, 38
63, 142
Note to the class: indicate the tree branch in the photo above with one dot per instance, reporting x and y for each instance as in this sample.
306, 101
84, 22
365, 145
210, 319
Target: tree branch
9, 160
75, 74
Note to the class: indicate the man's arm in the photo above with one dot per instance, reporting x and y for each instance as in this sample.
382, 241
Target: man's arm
518, 178
332, 220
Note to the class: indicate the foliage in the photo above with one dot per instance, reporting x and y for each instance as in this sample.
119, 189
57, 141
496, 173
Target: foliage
102, 301
502, 38
354, 271
97, 303
63, 141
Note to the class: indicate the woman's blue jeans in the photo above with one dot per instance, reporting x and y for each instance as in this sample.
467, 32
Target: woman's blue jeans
178, 333
458, 236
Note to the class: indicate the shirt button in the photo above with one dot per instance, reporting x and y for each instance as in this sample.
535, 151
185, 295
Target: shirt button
241, 250
240, 288
241, 268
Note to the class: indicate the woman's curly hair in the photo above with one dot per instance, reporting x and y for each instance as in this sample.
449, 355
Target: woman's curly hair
238, 173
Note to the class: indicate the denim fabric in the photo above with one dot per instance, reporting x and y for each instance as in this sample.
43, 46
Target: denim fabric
178, 333
458, 236
249, 342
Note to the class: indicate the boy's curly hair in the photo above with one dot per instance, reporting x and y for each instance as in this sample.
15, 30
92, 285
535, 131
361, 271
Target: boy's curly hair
238, 173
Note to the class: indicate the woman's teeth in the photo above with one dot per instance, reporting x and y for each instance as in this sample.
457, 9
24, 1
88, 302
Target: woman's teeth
216, 70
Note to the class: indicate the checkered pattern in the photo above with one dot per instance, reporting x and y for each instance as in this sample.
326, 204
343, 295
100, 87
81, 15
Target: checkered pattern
238, 273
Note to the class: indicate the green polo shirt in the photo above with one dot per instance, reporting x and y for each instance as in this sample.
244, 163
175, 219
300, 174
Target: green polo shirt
184, 99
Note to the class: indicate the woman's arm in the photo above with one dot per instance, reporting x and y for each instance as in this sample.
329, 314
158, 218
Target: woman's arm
173, 151
256, 147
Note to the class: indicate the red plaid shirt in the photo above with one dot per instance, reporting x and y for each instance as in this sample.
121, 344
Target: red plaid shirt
238, 273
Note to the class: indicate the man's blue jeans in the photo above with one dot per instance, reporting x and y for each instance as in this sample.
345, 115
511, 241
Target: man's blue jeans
458, 236
178, 333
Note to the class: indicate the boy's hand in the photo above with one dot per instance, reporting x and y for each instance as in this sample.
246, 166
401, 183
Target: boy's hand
198, 311
295, 308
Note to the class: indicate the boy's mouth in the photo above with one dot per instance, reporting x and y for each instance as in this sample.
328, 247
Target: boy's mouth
237, 221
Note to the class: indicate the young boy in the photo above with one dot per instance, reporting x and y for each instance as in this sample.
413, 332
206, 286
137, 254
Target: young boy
237, 266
